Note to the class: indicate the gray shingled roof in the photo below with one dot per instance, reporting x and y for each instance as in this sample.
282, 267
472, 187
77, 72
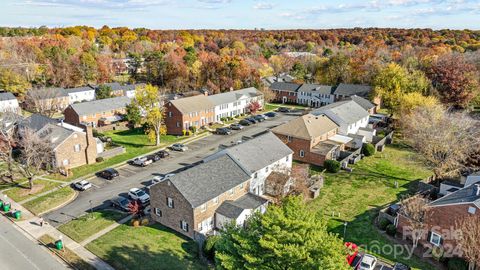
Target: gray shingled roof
54, 134
208, 180
233, 209
285, 86
101, 105
315, 88
77, 89
465, 195
37, 121
365, 103
259, 152
230, 97
352, 89
114, 86
348, 111
6, 96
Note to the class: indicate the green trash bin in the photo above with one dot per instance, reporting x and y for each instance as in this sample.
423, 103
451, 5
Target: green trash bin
59, 244
1, 203
6, 207
17, 214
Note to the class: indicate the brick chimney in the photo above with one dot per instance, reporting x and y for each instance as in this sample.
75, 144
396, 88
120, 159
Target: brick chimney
91, 150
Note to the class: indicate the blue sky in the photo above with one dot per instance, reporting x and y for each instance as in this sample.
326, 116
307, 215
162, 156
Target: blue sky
243, 14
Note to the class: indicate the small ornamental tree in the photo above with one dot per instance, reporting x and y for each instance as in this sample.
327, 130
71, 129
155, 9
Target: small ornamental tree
253, 107
368, 149
332, 166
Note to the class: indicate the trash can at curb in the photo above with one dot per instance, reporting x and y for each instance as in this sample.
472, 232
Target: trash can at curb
17, 214
6, 207
59, 244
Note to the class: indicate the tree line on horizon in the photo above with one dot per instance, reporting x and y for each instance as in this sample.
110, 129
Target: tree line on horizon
440, 63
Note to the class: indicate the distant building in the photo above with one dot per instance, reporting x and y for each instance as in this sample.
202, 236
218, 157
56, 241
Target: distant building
8, 103
79, 94
98, 112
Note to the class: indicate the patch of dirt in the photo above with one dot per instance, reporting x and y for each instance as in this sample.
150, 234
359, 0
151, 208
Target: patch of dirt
36, 189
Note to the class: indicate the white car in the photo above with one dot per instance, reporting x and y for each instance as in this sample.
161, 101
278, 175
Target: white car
138, 194
157, 179
82, 185
179, 147
142, 161
368, 262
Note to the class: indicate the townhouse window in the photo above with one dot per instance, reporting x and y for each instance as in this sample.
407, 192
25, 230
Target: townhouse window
289, 138
302, 153
241, 185
203, 207
255, 175
158, 212
77, 147
170, 114
170, 202
178, 124
184, 225
472, 210
435, 239
215, 200
286, 159
230, 192
65, 162
266, 169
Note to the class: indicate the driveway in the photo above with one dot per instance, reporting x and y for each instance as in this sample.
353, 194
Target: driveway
131, 176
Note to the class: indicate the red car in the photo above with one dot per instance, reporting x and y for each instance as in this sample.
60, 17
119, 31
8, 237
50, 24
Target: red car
353, 252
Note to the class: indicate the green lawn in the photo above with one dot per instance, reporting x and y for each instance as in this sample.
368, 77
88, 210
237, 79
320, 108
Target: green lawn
71, 257
49, 201
148, 247
22, 191
81, 228
274, 106
356, 197
135, 142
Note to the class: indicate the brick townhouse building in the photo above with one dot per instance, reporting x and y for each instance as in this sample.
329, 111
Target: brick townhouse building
313, 139
442, 217
184, 113
285, 92
72, 146
221, 189
98, 112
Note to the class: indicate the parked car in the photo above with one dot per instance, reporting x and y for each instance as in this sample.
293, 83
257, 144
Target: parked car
368, 262
283, 109
270, 114
223, 131
159, 178
401, 266
259, 118
154, 157
251, 120
82, 185
179, 147
138, 194
236, 126
353, 248
162, 154
142, 161
245, 122
121, 203
108, 174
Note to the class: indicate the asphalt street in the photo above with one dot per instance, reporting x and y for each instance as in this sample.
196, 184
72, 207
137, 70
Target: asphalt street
17, 252
98, 197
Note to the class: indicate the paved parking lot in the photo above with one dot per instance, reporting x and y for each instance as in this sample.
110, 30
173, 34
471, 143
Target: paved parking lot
131, 176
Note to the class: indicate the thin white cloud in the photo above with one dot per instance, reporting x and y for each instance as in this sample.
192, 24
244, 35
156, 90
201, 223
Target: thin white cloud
263, 5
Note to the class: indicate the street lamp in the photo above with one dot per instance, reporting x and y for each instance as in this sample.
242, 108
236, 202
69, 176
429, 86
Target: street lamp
344, 229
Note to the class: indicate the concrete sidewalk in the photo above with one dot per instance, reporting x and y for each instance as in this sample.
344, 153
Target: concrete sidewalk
30, 224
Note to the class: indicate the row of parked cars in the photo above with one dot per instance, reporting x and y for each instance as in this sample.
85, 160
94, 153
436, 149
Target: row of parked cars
245, 122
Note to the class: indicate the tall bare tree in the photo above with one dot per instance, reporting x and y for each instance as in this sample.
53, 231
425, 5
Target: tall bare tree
470, 228
415, 210
45, 101
268, 94
445, 139
7, 142
36, 154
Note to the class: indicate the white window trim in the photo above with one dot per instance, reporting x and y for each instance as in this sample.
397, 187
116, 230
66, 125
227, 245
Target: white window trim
302, 153
472, 210
439, 239
184, 225
170, 202
158, 212
203, 207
